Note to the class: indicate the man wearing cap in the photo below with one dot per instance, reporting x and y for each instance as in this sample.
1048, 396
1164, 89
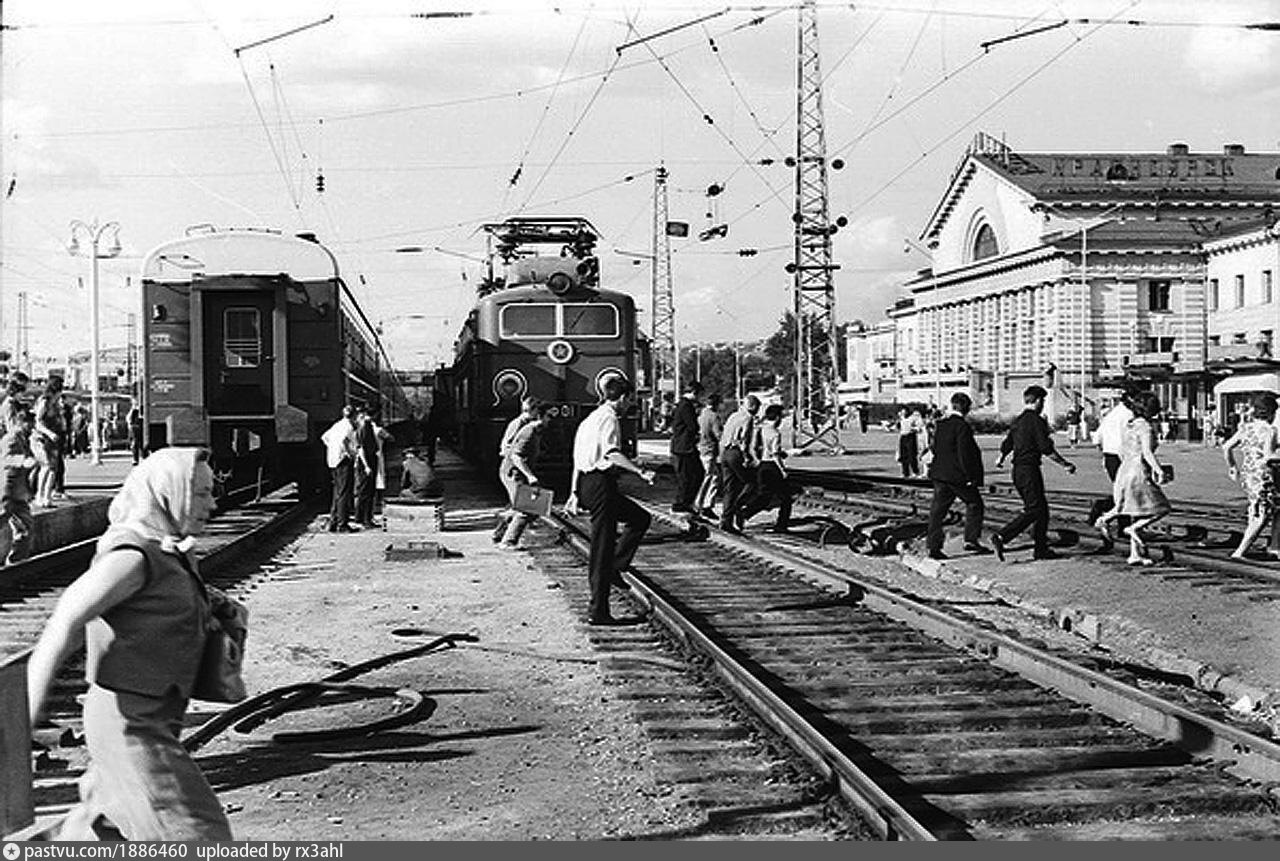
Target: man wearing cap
1027, 441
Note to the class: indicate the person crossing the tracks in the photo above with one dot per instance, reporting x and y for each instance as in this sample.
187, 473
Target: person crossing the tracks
142, 611
340, 454
957, 473
1137, 491
598, 460
771, 476
16, 521
520, 460
506, 471
737, 461
1027, 441
684, 448
1110, 438
710, 429
1259, 454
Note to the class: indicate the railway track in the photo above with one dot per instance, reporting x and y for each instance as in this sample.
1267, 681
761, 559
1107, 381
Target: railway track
933, 726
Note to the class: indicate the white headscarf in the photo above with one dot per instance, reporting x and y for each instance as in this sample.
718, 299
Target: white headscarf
155, 501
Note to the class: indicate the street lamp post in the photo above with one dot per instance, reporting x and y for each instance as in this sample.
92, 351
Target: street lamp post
95, 232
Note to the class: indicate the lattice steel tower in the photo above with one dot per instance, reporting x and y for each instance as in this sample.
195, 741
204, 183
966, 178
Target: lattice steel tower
816, 413
666, 366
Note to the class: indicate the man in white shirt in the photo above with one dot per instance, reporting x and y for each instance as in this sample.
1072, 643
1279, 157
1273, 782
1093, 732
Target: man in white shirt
340, 454
597, 462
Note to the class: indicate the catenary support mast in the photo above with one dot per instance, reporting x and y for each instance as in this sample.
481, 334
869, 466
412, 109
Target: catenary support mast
815, 418
666, 363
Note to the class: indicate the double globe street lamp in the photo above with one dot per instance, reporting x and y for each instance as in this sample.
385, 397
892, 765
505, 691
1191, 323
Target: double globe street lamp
94, 233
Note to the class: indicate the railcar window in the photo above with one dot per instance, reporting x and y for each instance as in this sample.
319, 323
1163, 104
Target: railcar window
599, 321
528, 321
242, 337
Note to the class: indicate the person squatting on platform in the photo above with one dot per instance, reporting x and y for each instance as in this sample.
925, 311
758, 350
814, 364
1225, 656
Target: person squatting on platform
1027, 441
598, 461
957, 473
143, 611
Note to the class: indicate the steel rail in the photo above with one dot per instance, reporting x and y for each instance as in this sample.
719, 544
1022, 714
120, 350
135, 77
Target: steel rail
1244, 754
882, 812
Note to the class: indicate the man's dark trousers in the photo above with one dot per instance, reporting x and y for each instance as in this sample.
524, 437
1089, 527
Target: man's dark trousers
737, 479
945, 493
340, 507
598, 493
689, 475
1029, 482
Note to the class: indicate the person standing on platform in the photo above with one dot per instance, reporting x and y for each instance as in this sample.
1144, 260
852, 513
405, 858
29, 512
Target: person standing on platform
14, 400
771, 476
16, 521
710, 429
366, 467
134, 420
1027, 441
1259, 450
45, 442
910, 425
684, 448
1137, 490
598, 460
737, 461
340, 454
957, 473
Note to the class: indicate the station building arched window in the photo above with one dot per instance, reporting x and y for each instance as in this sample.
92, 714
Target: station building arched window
984, 244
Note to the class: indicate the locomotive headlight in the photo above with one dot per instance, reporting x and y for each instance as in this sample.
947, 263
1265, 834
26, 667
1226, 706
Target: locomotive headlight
508, 384
560, 351
604, 375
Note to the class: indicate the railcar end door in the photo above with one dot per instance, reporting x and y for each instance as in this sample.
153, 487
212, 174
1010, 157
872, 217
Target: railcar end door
239, 353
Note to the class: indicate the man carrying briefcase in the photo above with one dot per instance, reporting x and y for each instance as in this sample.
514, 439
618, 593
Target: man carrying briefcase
527, 499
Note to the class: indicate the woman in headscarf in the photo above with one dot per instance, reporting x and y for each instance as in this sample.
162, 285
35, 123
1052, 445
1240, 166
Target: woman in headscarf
143, 613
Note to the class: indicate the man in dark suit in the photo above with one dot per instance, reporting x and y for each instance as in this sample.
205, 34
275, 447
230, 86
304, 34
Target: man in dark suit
956, 472
1027, 441
684, 448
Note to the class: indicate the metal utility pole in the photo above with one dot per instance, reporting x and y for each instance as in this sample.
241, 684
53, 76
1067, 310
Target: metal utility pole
817, 401
666, 356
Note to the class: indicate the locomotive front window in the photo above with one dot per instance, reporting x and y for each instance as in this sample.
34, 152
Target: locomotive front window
595, 321
529, 321
242, 337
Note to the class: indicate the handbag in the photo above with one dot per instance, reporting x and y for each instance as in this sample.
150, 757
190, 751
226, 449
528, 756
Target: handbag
530, 499
219, 678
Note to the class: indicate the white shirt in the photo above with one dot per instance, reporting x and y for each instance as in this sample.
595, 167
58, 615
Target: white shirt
339, 442
1111, 428
597, 437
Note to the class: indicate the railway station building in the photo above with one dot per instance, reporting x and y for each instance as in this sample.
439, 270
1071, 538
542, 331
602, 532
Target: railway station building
1075, 271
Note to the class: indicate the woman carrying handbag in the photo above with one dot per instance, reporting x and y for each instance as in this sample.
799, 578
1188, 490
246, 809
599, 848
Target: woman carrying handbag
143, 613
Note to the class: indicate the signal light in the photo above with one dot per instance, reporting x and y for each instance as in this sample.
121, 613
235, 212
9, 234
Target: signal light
319, 183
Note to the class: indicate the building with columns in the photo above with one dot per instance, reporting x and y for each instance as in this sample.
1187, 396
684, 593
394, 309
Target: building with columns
1075, 271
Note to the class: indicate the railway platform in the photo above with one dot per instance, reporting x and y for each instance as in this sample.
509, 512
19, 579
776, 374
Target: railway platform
1162, 618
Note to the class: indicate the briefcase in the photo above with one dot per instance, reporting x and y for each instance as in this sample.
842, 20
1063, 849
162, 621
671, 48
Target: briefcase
531, 499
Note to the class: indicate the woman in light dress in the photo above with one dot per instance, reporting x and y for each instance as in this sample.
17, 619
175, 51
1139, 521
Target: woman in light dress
1137, 491
1256, 443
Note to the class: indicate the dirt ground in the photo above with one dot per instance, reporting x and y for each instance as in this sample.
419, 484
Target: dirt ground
527, 741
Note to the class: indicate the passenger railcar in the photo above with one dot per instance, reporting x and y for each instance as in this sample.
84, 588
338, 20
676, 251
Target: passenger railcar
252, 345
551, 332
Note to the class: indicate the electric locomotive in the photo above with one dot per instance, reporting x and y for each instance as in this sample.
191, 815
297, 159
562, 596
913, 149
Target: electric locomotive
252, 344
551, 332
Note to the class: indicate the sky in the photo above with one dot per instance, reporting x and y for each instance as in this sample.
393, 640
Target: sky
163, 115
